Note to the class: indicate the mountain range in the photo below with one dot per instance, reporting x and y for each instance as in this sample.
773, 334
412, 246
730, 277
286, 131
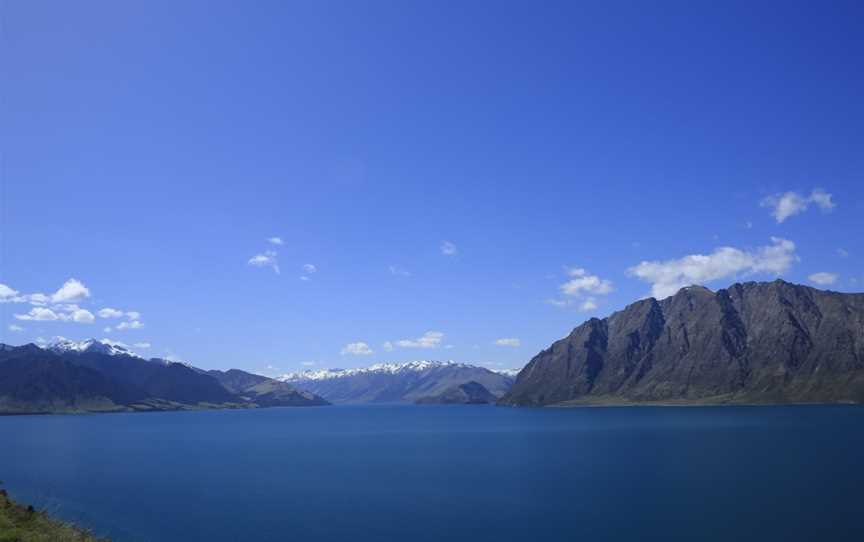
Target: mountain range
754, 342
100, 376
397, 382
750, 343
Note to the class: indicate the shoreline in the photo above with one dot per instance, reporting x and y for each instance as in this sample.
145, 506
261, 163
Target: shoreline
25, 523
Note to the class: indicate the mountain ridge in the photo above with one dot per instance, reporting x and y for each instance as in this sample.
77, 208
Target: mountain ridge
99, 376
395, 382
753, 342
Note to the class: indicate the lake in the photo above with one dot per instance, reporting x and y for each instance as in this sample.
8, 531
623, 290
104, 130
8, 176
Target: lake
454, 473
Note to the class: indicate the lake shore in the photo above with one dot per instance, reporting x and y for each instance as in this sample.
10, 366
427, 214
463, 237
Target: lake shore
26, 524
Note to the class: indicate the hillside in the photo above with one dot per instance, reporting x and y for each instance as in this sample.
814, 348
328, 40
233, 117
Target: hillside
396, 382
750, 343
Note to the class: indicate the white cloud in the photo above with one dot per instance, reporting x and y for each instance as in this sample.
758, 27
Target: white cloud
583, 282
133, 315
106, 329
388, 346
7, 293
823, 278
82, 316
275, 241
399, 272
430, 339
38, 299
448, 248
39, 314
72, 290
41, 340
309, 269
357, 349
304, 277
108, 312
589, 304
16, 328
267, 259
792, 203
173, 358
132, 324
509, 341
142, 345
308, 363
667, 277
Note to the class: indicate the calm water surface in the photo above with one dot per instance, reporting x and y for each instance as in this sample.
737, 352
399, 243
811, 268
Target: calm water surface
447, 473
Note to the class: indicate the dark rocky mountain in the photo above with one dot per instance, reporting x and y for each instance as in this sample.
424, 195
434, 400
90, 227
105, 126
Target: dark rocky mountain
395, 382
263, 391
469, 393
750, 343
35, 380
93, 376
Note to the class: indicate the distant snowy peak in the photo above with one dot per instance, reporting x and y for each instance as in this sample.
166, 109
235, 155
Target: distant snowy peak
512, 373
378, 368
105, 346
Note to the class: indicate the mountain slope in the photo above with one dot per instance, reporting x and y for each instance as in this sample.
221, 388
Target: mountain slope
157, 378
393, 382
94, 376
469, 393
750, 343
33, 380
263, 391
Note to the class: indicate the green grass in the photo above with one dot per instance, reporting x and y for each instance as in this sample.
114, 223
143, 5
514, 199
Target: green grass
20, 523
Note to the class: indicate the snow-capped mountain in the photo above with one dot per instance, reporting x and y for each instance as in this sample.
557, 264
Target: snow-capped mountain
105, 346
98, 376
512, 373
395, 382
378, 368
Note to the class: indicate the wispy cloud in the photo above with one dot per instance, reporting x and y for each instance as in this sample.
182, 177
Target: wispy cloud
15, 328
108, 312
399, 272
509, 341
357, 349
275, 241
582, 282
133, 324
582, 290
430, 339
667, 277
448, 248
267, 259
789, 204
823, 278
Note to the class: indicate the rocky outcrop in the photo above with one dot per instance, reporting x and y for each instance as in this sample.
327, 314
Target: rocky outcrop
469, 393
750, 343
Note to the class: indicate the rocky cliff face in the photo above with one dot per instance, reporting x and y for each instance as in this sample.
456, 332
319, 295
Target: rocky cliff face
750, 343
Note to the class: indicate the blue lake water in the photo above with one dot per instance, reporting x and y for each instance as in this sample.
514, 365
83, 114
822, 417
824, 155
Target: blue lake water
447, 473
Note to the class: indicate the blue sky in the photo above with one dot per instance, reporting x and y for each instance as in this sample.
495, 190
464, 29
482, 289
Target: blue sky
456, 173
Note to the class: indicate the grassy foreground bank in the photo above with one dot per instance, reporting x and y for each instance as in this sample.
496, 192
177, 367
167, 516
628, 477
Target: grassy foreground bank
20, 523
